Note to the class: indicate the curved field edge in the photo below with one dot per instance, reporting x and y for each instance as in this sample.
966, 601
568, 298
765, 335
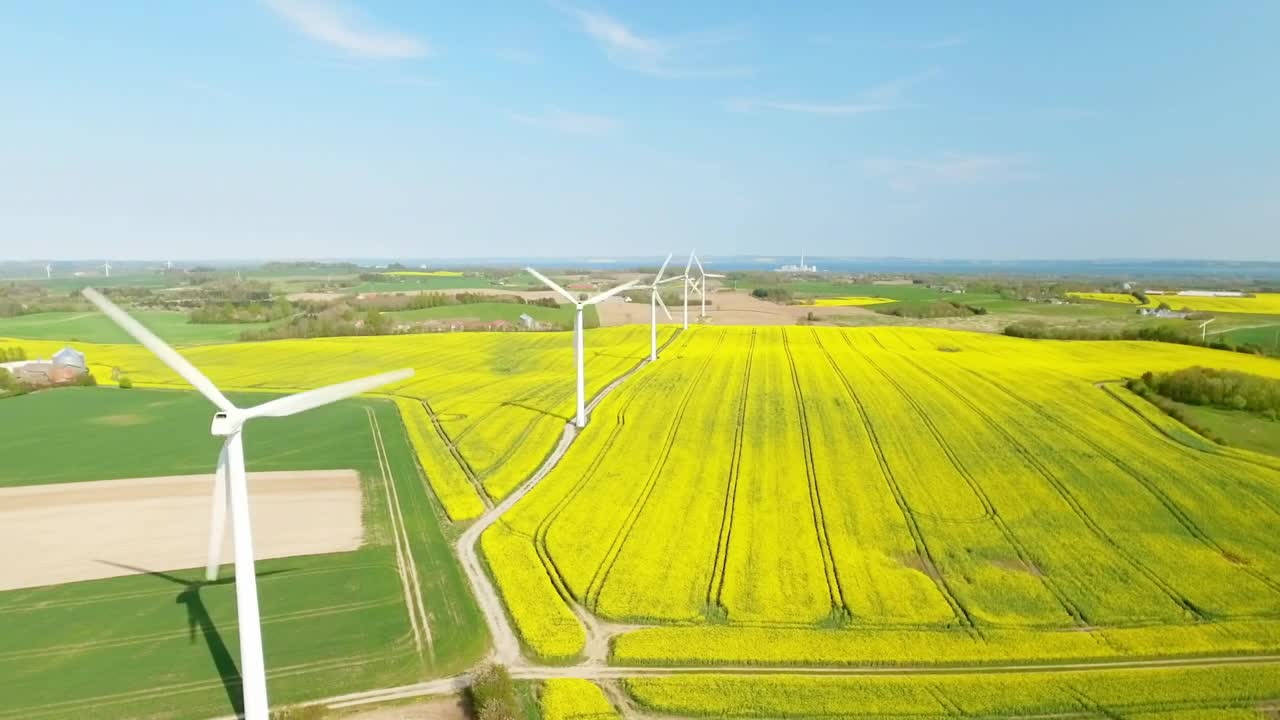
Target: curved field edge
1120, 693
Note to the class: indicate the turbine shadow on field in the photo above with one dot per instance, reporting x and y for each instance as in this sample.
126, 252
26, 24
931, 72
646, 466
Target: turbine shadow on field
198, 618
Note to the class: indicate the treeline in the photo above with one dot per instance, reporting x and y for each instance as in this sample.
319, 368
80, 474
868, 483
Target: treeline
1227, 389
941, 309
779, 295
12, 354
1037, 330
421, 301
336, 320
253, 312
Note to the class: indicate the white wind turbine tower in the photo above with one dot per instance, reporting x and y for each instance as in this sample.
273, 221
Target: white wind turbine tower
228, 422
106, 269
581, 419
48, 271
700, 284
655, 299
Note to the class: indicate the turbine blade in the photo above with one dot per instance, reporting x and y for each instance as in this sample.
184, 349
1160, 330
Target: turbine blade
661, 304
689, 265
610, 293
712, 275
303, 401
673, 278
547, 281
701, 272
658, 278
160, 349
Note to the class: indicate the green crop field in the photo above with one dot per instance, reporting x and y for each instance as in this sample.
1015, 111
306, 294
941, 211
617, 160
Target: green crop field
165, 644
488, 312
1267, 336
94, 327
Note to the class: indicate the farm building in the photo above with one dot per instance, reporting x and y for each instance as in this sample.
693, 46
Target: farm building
66, 366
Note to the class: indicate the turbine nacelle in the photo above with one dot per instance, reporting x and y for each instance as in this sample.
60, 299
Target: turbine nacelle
225, 424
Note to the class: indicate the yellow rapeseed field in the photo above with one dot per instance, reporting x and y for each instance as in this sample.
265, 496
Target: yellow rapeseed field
574, 699
1260, 303
499, 399
824, 495
1183, 693
850, 301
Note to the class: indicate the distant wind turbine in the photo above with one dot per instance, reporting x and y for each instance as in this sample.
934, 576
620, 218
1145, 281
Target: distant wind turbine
48, 271
1204, 331
228, 422
106, 269
581, 418
655, 300
702, 283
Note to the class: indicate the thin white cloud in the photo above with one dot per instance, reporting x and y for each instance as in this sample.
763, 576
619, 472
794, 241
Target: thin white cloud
340, 27
806, 107
886, 96
671, 56
952, 169
518, 56
573, 123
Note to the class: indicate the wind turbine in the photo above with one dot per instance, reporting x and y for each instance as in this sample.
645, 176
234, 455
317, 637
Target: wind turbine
228, 422
48, 271
1204, 333
700, 285
655, 299
581, 419
106, 269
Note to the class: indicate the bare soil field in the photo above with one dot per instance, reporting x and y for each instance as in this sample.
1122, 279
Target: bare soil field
89, 530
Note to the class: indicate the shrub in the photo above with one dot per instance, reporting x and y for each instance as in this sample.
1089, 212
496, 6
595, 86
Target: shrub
125, 382
493, 695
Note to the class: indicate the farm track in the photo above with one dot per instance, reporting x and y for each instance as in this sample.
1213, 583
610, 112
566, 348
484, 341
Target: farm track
1098, 531
1184, 520
506, 644
913, 525
457, 455
1024, 555
408, 569
839, 607
716, 587
601, 576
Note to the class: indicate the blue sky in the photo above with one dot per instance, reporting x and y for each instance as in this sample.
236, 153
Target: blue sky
289, 128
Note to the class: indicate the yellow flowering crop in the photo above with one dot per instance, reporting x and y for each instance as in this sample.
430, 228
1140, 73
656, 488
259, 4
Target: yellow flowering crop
574, 699
850, 301
1260, 303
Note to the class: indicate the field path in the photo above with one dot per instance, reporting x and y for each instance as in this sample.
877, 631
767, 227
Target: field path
506, 646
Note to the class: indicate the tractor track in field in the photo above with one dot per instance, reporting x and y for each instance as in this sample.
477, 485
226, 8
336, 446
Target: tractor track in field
462, 463
506, 643
1024, 555
591, 598
1180, 516
419, 620
1214, 452
913, 525
715, 588
839, 606
1090, 522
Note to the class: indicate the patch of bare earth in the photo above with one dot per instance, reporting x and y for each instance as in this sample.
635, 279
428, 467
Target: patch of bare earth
90, 530
723, 308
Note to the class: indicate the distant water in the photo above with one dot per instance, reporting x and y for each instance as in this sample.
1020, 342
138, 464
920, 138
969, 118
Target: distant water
1117, 268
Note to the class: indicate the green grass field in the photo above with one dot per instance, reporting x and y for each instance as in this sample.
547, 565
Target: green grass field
95, 327
1267, 336
165, 645
1238, 428
488, 312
